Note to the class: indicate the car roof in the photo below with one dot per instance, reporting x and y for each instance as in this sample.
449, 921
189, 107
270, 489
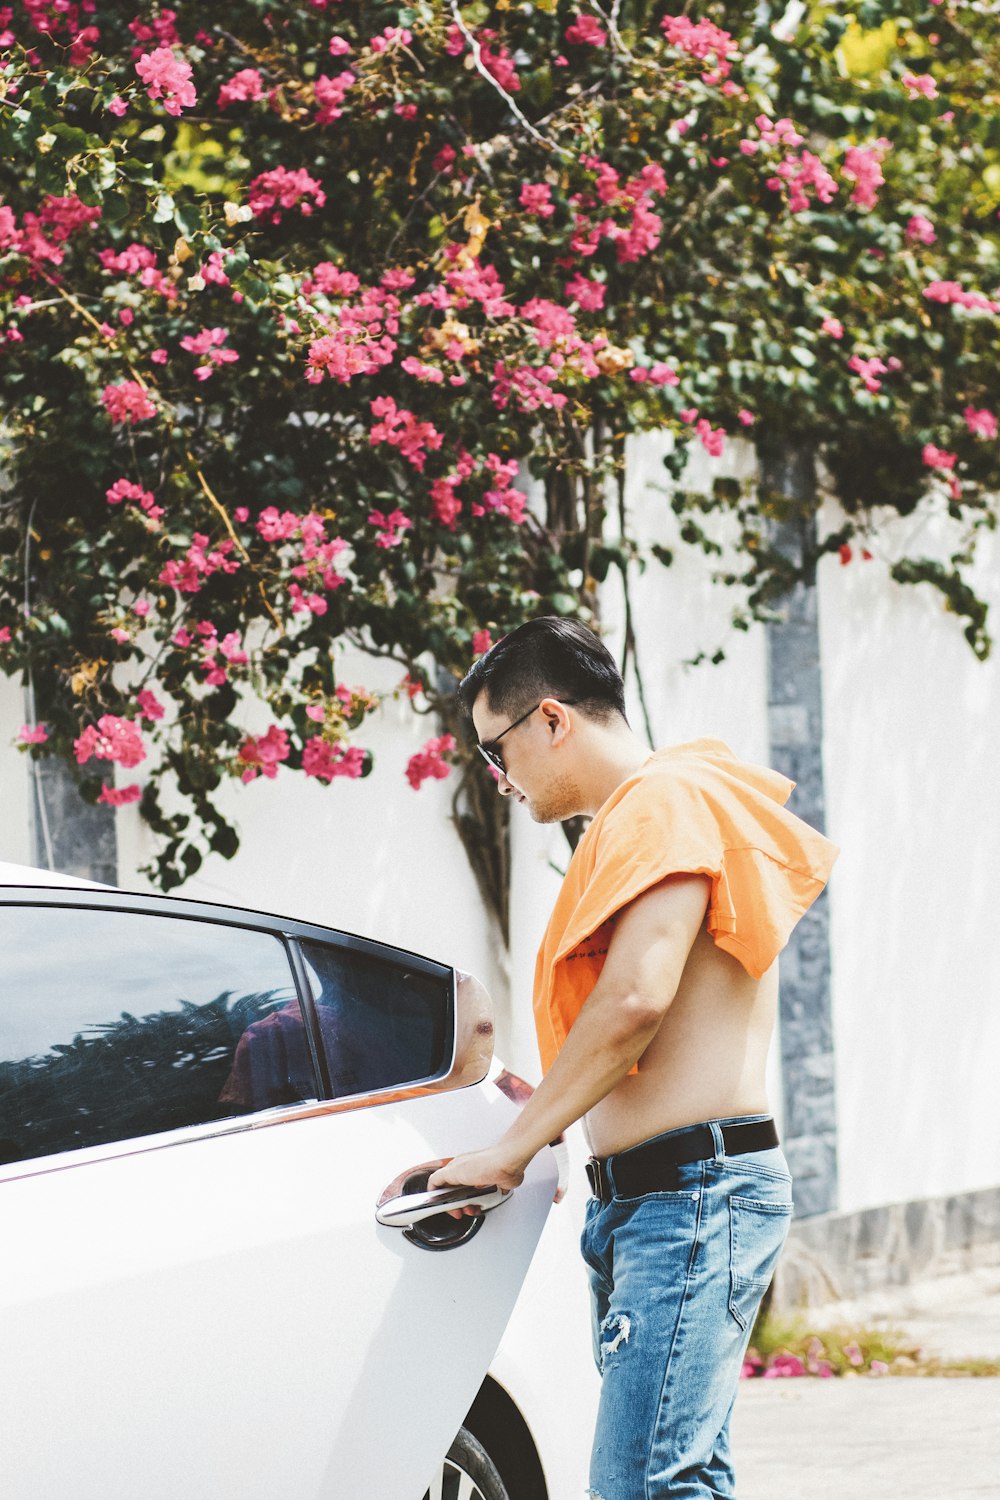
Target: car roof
11, 874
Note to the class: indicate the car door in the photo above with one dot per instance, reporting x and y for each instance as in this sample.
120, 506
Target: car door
196, 1298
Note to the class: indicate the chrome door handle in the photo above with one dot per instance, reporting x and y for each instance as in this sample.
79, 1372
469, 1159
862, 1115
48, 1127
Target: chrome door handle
408, 1209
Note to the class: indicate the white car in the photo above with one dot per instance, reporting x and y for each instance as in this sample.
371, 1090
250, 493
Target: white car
222, 1278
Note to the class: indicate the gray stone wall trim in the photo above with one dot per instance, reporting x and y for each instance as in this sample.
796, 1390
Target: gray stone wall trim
795, 728
835, 1257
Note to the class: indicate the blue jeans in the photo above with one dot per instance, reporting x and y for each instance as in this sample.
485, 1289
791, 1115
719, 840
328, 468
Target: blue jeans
676, 1280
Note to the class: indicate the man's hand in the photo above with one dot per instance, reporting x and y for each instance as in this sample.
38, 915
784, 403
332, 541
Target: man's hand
497, 1166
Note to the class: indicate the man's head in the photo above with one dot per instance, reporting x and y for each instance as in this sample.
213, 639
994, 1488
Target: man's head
538, 698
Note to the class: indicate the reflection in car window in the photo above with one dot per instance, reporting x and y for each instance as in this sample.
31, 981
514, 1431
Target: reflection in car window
120, 1024
383, 1022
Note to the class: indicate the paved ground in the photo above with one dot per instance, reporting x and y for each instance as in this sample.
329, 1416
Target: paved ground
868, 1439
888, 1438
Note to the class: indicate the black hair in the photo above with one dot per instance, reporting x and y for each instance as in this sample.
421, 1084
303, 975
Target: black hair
549, 657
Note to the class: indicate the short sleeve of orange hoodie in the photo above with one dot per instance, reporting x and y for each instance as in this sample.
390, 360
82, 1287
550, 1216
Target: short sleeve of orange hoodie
691, 809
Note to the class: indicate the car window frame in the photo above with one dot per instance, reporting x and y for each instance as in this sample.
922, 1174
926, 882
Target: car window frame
291, 933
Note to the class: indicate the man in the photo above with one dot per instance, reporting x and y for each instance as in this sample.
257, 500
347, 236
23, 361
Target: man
655, 1000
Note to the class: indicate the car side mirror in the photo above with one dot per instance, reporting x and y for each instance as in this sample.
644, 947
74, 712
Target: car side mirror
474, 1034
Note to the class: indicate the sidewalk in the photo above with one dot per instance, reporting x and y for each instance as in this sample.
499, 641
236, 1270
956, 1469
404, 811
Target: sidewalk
886, 1438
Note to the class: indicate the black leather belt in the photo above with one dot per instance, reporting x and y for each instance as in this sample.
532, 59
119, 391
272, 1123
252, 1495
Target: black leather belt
651, 1167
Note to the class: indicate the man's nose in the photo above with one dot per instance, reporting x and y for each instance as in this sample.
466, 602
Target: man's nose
503, 785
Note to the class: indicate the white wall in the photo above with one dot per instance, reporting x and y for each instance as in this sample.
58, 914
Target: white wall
15, 778
912, 742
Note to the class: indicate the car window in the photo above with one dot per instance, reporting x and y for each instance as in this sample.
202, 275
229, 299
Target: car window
117, 1024
383, 1021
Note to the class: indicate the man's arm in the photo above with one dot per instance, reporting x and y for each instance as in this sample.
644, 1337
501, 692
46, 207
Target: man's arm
646, 957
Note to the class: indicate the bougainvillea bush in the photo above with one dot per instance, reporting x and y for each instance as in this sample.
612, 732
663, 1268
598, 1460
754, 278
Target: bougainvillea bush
298, 303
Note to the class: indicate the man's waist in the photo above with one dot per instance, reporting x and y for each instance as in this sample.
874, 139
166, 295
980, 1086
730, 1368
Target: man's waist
651, 1165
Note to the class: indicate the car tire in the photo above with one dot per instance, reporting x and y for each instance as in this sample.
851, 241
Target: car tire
468, 1473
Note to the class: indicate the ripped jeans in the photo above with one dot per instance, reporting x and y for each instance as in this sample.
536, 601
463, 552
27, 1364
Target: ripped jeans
676, 1280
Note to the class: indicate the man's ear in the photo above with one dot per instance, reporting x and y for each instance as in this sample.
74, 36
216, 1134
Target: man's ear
556, 717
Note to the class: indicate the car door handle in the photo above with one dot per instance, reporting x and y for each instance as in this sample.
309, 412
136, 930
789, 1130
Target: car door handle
409, 1208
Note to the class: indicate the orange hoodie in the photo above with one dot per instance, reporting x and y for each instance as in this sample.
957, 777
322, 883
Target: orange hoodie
693, 809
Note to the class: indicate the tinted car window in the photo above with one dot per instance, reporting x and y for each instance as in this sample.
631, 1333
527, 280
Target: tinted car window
383, 1022
120, 1024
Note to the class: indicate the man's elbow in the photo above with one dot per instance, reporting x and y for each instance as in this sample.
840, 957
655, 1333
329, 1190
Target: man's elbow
639, 1016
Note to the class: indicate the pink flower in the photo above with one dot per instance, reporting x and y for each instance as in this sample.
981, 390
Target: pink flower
917, 84
586, 31
244, 87
587, 294
124, 489
801, 174
869, 370
130, 261
402, 430
422, 371
536, 198
428, 763
947, 292
302, 602
498, 62
920, 229
127, 401
784, 1365
863, 166
116, 105
699, 39
277, 526
746, 417
688, 413
330, 95
447, 505
331, 281
113, 738
150, 706
937, 458
35, 734
198, 564
167, 77
391, 527
713, 439
209, 343
339, 47
392, 36
271, 194
879, 1366
481, 642
981, 423
120, 796
325, 761
263, 753
833, 327
661, 374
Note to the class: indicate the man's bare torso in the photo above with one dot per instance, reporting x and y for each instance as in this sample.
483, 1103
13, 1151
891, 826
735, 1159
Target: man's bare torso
706, 1061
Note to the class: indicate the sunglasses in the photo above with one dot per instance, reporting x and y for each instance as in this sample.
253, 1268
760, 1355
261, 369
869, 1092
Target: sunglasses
489, 749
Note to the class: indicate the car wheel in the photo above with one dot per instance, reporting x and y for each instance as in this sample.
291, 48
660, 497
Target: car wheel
468, 1473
